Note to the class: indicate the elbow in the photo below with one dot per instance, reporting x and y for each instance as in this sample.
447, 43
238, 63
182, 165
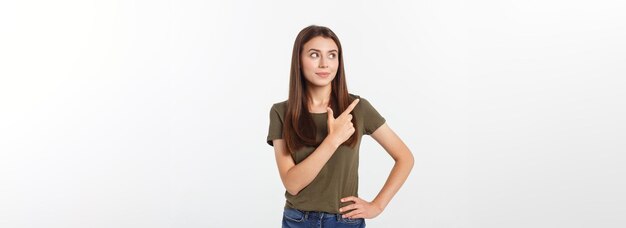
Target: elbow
407, 159
292, 186
411, 161
292, 190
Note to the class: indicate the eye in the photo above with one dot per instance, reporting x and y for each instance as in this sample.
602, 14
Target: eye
332, 55
314, 54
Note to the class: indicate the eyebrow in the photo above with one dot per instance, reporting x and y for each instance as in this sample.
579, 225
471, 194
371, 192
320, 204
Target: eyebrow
313, 49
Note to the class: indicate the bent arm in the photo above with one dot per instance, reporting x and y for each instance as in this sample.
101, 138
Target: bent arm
296, 177
403, 164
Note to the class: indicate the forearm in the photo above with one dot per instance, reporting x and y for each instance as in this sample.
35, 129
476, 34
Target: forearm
398, 175
302, 174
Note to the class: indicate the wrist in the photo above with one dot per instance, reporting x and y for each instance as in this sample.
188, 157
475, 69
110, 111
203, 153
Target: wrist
379, 205
332, 141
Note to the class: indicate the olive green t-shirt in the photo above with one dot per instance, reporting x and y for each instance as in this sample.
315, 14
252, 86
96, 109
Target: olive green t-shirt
339, 177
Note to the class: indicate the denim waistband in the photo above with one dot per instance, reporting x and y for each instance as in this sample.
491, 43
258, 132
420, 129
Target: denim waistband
298, 216
318, 214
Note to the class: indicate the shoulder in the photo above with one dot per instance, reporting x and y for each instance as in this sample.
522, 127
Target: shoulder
279, 108
282, 104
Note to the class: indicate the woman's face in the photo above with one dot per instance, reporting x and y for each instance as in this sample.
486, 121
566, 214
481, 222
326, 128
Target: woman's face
319, 61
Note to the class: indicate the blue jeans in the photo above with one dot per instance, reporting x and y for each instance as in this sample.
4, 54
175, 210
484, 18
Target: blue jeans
294, 218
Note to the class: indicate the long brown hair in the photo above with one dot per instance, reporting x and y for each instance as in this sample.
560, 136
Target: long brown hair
299, 128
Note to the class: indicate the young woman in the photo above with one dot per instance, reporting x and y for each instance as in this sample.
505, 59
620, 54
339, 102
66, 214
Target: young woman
316, 135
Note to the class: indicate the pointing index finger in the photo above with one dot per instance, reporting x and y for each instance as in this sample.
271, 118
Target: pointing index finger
351, 107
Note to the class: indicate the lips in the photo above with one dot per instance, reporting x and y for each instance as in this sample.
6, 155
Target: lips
323, 74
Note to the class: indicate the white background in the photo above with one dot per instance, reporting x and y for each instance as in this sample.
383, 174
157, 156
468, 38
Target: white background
155, 113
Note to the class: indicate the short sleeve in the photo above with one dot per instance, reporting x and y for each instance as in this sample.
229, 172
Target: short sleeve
276, 126
372, 120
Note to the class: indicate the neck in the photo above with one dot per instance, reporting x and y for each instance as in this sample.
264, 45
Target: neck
319, 96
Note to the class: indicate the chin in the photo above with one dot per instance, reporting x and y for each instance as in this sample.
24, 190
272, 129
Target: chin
320, 84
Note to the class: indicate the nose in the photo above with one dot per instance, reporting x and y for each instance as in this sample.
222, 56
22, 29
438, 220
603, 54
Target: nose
322, 63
